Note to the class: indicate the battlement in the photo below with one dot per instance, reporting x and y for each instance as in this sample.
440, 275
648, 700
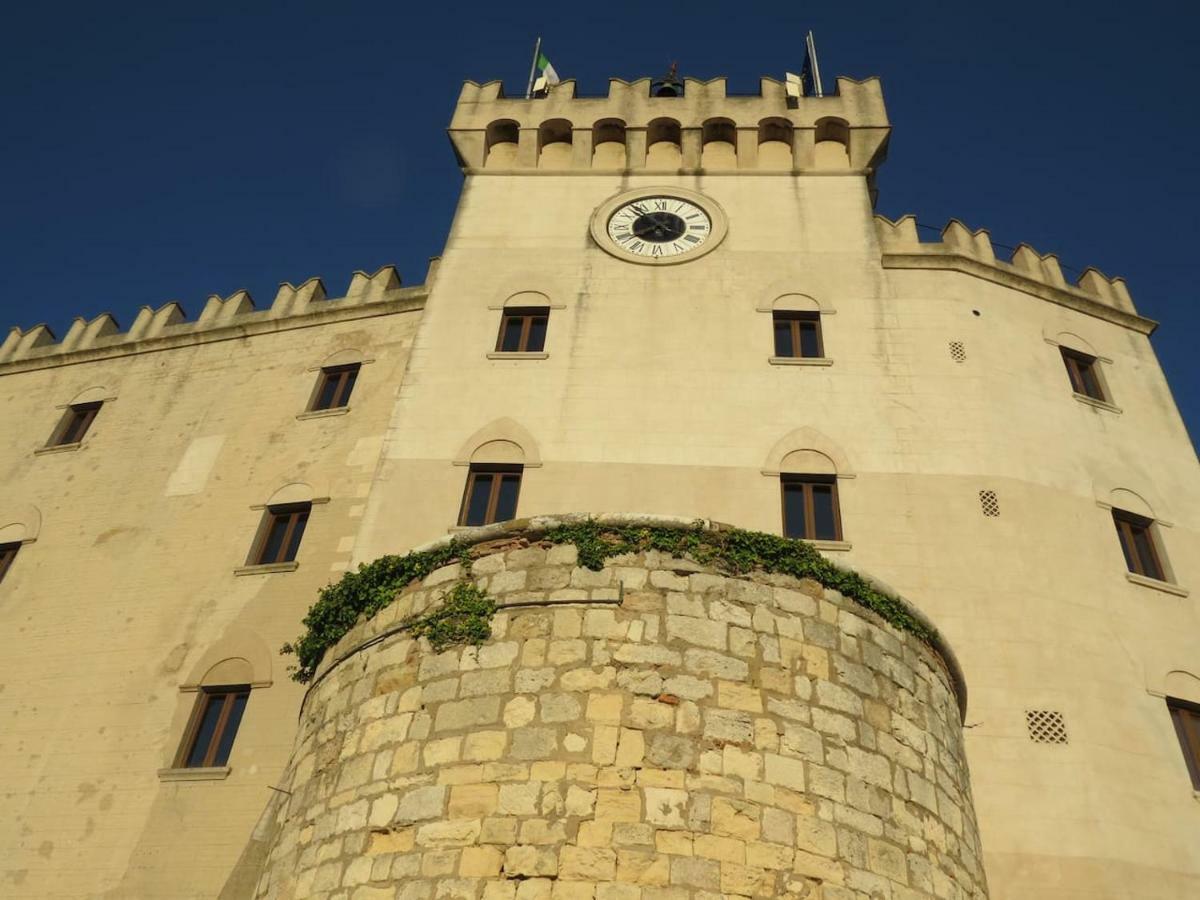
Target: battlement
708, 128
1035, 273
236, 314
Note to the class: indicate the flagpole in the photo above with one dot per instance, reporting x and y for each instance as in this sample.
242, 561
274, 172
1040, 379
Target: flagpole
816, 70
537, 48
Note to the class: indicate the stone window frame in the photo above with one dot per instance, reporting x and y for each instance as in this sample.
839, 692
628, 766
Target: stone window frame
1185, 717
783, 299
807, 483
92, 399
286, 499
1117, 499
339, 360
205, 698
492, 469
807, 452
1069, 343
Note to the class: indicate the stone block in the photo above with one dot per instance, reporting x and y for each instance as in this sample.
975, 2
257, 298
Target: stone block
693, 872
728, 725
488, 681
530, 862
783, 771
519, 711
605, 708
666, 807
617, 805
733, 695
706, 662
542, 831
460, 714
473, 801
584, 680
450, 833
722, 849
587, 864
699, 632
560, 708
421, 803
631, 748
735, 818
518, 799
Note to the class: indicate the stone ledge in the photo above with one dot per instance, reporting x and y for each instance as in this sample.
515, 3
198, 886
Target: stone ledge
199, 773
1098, 404
324, 413
1165, 586
268, 569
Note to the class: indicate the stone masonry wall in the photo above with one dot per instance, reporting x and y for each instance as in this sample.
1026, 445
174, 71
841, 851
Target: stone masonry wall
651, 731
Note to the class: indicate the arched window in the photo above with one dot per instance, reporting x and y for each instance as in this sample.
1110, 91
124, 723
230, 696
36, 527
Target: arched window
796, 321
775, 144
664, 148
718, 144
493, 484
608, 144
832, 143
808, 487
501, 138
284, 521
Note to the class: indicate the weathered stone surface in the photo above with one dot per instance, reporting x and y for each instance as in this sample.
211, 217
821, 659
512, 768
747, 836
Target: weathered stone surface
713, 737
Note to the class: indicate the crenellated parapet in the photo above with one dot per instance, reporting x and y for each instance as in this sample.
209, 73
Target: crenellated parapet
703, 129
1026, 270
235, 315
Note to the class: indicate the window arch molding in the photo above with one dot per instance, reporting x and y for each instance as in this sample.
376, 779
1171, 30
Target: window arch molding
508, 292
1073, 338
20, 524
296, 492
97, 393
347, 356
498, 432
1113, 491
806, 446
785, 295
241, 656
1179, 683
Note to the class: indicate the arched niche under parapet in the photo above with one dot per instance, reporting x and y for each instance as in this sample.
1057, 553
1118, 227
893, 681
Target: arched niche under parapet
718, 144
775, 136
664, 144
19, 524
554, 144
500, 144
501, 430
832, 143
241, 656
608, 144
806, 446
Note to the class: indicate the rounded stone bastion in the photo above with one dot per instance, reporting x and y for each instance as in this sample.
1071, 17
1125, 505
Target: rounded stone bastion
655, 730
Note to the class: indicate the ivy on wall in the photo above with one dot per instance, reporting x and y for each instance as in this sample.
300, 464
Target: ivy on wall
464, 617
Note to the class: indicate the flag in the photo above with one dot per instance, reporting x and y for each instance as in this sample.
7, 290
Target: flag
548, 78
794, 84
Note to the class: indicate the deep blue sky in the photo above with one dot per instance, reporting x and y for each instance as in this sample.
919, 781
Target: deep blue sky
154, 152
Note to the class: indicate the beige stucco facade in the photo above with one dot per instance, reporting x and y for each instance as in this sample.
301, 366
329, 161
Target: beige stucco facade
657, 392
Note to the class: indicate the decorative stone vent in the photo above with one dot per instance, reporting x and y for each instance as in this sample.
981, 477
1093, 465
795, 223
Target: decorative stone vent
958, 352
654, 730
1046, 726
989, 503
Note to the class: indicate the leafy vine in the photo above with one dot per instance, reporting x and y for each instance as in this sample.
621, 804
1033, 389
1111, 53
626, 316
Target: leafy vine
464, 617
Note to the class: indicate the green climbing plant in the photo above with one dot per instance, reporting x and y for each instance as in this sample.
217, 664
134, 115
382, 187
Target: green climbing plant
464, 617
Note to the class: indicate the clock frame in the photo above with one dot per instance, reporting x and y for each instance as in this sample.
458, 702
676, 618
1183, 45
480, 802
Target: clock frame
604, 214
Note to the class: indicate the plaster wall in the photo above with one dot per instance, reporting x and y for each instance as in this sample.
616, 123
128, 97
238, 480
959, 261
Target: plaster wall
129, 591
657, 395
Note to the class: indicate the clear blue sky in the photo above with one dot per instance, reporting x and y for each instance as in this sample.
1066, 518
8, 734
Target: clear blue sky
154, 152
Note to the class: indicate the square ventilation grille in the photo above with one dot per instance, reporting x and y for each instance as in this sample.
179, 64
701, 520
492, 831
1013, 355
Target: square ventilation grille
989, 503
1046, 726
958, 352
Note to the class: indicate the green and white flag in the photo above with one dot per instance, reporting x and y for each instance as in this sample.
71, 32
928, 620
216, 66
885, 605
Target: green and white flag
548, 77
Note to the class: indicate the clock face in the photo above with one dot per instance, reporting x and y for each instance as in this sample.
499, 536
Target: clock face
658, 227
